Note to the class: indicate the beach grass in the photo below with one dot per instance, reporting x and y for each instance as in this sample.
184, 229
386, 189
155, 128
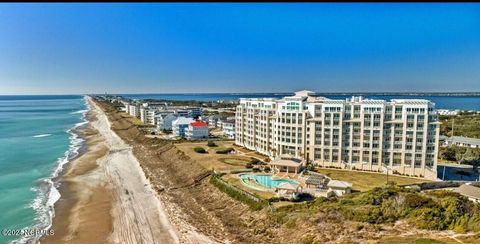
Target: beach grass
364, 181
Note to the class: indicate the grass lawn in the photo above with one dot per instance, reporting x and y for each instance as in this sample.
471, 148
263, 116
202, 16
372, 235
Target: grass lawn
364, 181
212, 160
234, 161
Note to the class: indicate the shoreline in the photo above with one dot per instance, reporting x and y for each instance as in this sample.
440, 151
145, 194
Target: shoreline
106, 197
71, 193
50, 187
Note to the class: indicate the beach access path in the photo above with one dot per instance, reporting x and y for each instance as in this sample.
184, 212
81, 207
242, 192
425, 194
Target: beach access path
138, 214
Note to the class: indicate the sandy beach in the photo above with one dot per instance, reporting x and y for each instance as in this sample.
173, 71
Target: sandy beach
106, 197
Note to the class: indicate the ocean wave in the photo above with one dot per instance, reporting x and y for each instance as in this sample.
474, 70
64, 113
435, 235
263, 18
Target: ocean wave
80, 111
42, 135
47, 191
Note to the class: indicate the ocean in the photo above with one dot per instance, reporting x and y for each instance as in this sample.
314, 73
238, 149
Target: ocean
441, 102
37, 137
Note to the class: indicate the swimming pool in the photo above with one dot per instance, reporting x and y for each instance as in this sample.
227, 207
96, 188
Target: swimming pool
263, 182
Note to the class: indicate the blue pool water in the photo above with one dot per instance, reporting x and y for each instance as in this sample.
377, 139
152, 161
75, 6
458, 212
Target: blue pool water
265, 180
37, 137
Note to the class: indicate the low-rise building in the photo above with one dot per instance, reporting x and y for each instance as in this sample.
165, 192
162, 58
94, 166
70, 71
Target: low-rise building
287, 163
229, 129
179, 125
147, 115
164, 121
213, 120
462, 142
222, 120
134, 110
448, 112
189, 112
197, 130
339, 188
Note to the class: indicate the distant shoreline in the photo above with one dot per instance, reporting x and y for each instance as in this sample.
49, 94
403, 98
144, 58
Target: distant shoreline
440, 94
473, 94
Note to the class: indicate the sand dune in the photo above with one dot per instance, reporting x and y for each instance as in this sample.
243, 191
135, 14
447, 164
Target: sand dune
112, 182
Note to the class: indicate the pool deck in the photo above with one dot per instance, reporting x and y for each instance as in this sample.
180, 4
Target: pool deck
259, 186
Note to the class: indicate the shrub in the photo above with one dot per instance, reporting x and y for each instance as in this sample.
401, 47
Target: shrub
267, 169
225, 150
237, 194
199, 150
255, 161
211, 144
249, 165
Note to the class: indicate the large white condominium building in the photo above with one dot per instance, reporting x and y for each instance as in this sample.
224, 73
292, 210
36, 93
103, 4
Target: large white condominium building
134, 110
400, 135
147, 115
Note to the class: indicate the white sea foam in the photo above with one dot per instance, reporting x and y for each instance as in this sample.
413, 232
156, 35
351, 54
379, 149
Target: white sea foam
47, 191
80, 111
42, 135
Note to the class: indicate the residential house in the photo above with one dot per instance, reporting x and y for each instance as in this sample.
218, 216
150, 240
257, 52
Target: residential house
179, 125
197, 130
164, 121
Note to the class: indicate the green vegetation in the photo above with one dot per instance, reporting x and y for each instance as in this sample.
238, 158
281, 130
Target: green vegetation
255, 203
364, 181
415, 240
255, 161
466, 124
211, 144
436, 210
224, 150
199, 150
234, 161
462, 155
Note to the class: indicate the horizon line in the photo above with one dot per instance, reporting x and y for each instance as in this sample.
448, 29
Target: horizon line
205, 93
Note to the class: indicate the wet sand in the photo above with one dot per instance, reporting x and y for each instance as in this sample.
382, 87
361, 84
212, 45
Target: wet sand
106, 197
80, 201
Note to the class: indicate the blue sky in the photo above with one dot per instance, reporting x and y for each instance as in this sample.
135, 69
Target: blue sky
163, 48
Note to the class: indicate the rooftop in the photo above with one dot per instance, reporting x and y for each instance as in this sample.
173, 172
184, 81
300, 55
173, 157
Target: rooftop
468, 191
339, 184
199, 123
182, 120
464, 140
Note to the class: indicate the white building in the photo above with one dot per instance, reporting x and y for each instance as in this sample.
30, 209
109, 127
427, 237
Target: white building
213, 120
147, 115
134, 110
339, 188
353, 133
447, 112
229, 129
189, 112
197, 130
179, 125
462, 141
164, 121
